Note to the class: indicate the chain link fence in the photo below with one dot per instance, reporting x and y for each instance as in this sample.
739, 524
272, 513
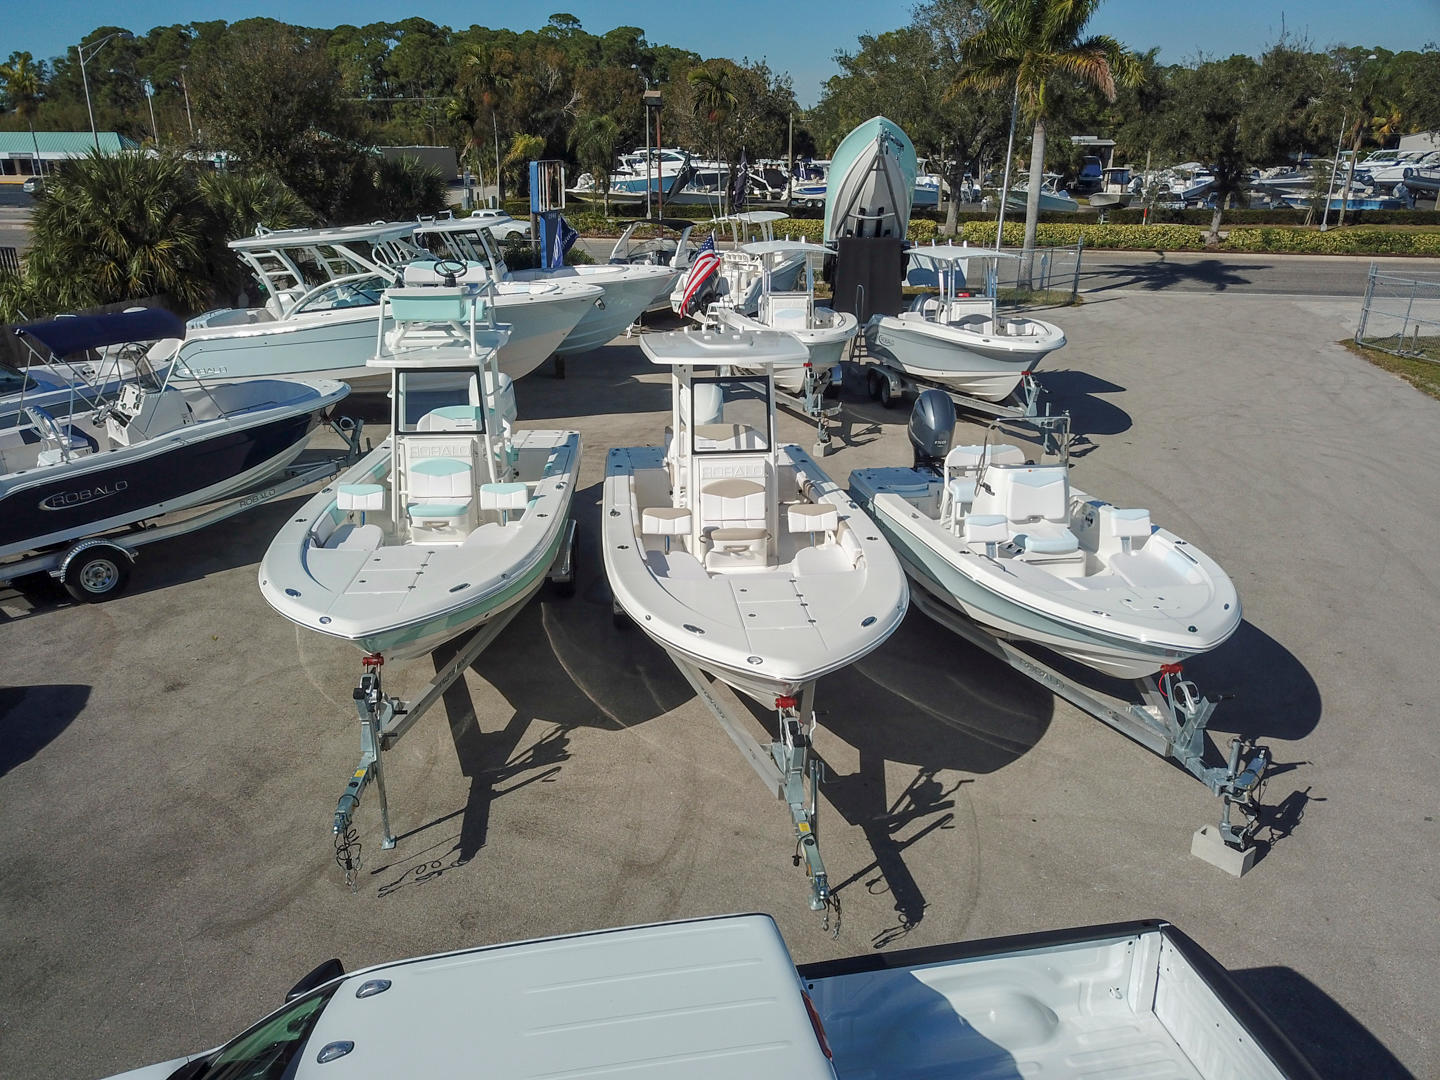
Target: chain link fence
1055, 269
1401, 315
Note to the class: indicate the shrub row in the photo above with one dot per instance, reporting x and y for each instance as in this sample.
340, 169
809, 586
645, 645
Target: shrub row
1346, 241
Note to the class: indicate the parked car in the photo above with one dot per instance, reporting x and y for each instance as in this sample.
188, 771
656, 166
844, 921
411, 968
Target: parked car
34, 185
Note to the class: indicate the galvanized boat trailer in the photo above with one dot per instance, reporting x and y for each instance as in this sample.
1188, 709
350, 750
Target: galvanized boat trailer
384, 719
1169, 720
810, 403
788, 768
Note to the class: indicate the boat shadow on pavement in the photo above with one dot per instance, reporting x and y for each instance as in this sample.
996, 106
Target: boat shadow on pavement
34, 716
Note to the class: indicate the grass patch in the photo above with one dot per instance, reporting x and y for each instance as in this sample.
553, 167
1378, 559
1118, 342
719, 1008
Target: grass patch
1424, 375
1040, 297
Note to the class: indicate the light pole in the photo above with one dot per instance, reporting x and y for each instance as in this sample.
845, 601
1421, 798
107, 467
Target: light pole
645, 114
189, 120
94, 47
1009, 153
149, 90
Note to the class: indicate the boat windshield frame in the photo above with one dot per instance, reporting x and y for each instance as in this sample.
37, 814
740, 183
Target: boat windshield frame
403, 395
757, 388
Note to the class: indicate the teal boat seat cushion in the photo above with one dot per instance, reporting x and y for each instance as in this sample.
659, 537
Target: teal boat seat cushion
436, 510
440, 466
1061, 543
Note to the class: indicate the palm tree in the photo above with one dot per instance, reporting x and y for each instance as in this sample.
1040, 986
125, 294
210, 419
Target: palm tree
481, 77
121, 227
237, 203
1026, 44
715, 98
22, 88
523, 148
593, 140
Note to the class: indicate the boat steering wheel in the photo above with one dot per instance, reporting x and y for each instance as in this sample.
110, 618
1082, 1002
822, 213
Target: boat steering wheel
450, 271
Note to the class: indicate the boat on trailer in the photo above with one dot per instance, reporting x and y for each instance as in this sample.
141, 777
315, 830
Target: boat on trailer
957, 339
68, 482
714, 998
738, 556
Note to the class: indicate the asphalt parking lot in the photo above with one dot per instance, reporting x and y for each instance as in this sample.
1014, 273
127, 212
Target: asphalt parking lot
174, 755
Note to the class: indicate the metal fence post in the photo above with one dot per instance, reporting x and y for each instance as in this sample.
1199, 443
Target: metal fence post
1365, 307
1075, 278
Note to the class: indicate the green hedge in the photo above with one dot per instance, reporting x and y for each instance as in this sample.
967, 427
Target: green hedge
1159, 216
1346, 241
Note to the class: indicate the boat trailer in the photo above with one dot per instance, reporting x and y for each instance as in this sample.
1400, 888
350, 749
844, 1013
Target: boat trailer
809, 402
97, 567
788, 768
1169, 720
384, 719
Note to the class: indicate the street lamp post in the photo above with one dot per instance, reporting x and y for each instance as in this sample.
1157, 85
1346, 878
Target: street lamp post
645, 113
95, 47
148, 89
189, 120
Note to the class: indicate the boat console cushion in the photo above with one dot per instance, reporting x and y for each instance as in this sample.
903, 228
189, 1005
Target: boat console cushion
665, 521
435, 304
813, 518
360, 497
1045, 538
453, 418
733, 502
437, 510
986, 529
789, 312
1123, 523
969, 457
1032, 493
439, 478
504, 496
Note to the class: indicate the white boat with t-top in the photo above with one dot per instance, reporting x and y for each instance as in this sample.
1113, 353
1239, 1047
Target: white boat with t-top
1005, 539
736, 555
958, 339
323, 289
453, 520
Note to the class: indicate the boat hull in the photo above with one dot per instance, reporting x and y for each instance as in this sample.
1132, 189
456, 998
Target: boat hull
984, 366
628, 292
870, 188
199, 464
826, 346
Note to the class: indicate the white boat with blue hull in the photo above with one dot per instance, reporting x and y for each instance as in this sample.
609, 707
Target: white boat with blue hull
870, 187
1020, 552
454, 520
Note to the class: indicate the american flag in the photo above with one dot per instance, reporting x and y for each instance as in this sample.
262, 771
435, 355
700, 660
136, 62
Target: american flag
702, 269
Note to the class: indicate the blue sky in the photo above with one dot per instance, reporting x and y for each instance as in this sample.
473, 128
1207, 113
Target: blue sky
801, 38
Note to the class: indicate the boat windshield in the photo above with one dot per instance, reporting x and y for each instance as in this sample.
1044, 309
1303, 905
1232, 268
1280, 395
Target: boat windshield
731, 413
359, 291
269, 1048
430, 402
12, 380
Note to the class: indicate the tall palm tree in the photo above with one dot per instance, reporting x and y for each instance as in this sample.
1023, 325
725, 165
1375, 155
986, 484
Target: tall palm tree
482, 78
22, 88
593, 140
1026, 44
121, 227
715, 98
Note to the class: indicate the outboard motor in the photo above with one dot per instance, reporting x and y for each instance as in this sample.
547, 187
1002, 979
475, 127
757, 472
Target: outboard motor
932, 425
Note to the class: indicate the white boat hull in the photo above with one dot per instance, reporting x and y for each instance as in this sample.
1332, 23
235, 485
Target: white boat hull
628, 292
988, 366
826, 346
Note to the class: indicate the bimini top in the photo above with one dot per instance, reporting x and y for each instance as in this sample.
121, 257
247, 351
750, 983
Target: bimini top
752, 217
76, 333
375, 232
957, 252
798, 247
711, 347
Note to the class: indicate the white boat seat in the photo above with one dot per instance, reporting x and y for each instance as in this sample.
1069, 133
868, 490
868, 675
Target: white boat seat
504, 498
360, 497
453, 418
437, 510
1037, 492
969, 457
440, 497
790, 312
351, 537
737, 548
1125, 525
813, 518
62, 441
987, 529
666, 521
962, 492
1046, 538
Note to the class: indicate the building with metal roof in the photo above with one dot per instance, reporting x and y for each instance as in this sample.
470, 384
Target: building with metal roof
17, 149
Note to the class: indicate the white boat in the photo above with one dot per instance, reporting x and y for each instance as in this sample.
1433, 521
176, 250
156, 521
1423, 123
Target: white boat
628, 290
871, 183
958, 339
750, 230
721, 997
737, 556
148, 449
1053, 199
751, 300
1007, 541
453, 520
656, 242
323, 290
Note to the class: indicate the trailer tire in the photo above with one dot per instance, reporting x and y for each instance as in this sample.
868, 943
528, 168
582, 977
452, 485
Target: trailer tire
621, 620
886, 395
96, 573
566, 589
872, 384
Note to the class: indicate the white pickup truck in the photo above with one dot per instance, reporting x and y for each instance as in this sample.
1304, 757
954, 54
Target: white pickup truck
721, 997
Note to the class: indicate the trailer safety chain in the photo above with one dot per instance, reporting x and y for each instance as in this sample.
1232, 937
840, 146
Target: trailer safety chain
347, 855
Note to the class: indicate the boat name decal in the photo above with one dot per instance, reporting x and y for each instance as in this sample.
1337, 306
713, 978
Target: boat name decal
439, 449
64, 500
716, 472
197, 372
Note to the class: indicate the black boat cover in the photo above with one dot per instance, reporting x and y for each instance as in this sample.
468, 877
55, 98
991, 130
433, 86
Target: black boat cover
76, 333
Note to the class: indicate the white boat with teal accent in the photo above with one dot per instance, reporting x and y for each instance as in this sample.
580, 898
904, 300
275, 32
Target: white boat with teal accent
454, 519
1008, 542
870, 187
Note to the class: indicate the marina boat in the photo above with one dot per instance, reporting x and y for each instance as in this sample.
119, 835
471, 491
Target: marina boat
753, 232
628, 290
1053, 200
738, 556
1384, 169
656, 243
694, 998
1364, 199
1007, 541
751, 301
871, 183
454, 520
1116, 188
147, 449
323, 289
956, 339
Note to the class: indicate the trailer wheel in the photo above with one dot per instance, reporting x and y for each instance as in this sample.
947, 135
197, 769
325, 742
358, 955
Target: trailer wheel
566, 588
618, 617
886, 395
873, 382
96, 573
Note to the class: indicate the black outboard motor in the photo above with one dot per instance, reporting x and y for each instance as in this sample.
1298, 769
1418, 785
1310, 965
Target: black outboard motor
932, 425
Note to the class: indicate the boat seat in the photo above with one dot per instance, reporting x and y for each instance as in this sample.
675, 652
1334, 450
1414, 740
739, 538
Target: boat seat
62, 442
440, 497
988, 529
1044, 538
1124, 525
352, 537
360, 497
666, 521
813, 518
503, 498
468, 418
737, 548
734, 521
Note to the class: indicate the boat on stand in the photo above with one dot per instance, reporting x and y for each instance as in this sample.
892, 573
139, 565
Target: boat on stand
871, 183
1002, 548
741, 559
448, 527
